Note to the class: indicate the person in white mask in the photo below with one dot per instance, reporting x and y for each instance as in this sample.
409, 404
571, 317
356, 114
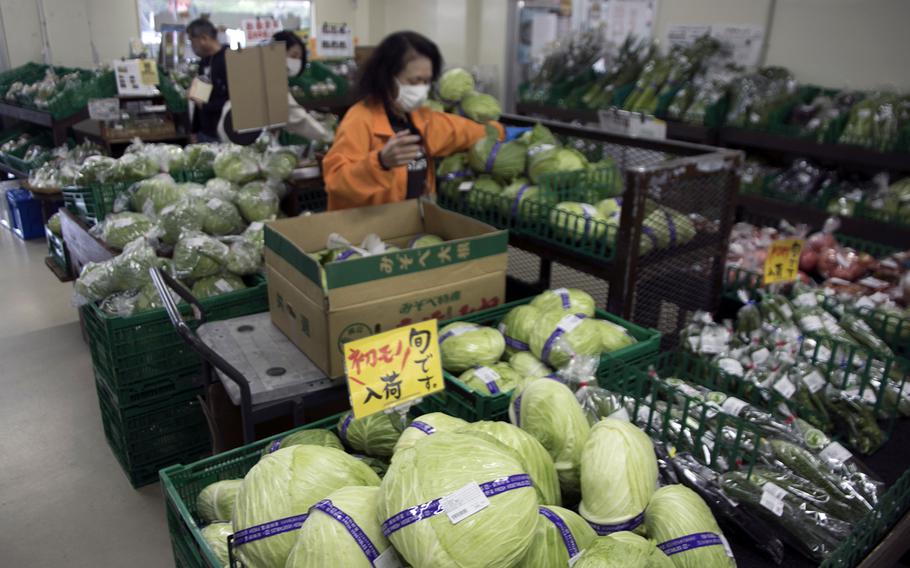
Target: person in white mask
300, 122
385, 145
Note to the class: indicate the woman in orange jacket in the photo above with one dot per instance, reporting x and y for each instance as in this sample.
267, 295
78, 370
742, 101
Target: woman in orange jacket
385, 145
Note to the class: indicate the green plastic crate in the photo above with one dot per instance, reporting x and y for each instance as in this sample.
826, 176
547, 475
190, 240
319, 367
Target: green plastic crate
183, 483
56, 249
152, 389
94, 202
486, 206
136, 350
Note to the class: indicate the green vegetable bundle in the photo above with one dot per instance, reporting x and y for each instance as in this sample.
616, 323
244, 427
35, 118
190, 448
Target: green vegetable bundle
503, 160
374, 435
466, 345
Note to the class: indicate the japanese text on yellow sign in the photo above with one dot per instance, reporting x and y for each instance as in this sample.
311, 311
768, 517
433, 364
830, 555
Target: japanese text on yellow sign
393, 368
782, 263
148, 72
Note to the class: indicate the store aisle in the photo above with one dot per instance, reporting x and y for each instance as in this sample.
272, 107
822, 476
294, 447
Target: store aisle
64, 500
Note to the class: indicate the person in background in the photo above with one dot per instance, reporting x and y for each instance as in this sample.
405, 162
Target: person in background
385, 145
299, 120
212, 68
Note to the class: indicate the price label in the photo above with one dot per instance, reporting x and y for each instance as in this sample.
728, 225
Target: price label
782, 262
814, 381
466, 186
785, 387
733, 405
621, 414
772, 498
760, 356
834, 452
393, 368
104, 109
465, 502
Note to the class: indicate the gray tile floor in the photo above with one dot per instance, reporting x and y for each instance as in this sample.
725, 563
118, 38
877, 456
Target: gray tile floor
64, 500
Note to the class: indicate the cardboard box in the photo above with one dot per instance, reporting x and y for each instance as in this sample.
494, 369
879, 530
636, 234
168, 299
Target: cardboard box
369, 295
258, 84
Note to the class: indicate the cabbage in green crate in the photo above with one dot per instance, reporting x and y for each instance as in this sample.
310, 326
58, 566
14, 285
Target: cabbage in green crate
623, 550
482, 193
516, 327
279, 164
480, 107
503, 160
675, 517
545, 159
221, 217
119, 229
618, 476
548, 410
578, 221
216, 536
516, 193
611, 208
466, 345
184, 215
571, 300
496, 536
237, 165
532, 455
197, 255
217, 285
374, 435
614, 336
427, 425
498, 378
243, 258
282, 487
528, 366
257, 202
560, 535
455, 84
216, 501
560, 336
311, 437
669, 228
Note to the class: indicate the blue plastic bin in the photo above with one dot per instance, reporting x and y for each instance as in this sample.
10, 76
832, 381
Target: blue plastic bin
25, 214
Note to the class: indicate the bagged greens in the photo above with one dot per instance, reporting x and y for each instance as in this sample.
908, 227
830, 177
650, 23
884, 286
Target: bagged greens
197, 255
618, 476
427, 425
184, 215
221, 217
150, 196
279, 163
243, 258
466, 345
257, 202
282, 487
217, 285
118, 229
216, 501
237, 165
547, 410
374, 435
561, 336
560, 535
437, 467
220, 188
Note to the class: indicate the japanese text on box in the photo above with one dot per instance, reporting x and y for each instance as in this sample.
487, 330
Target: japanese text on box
782, 262
393, 368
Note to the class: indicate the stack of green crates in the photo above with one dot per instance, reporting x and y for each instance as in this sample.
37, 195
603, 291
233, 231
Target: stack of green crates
146, 379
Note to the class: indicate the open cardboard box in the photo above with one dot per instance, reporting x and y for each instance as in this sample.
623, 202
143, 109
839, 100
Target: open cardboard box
321, 308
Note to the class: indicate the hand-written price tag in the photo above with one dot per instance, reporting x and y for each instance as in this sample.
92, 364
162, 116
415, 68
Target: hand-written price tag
393, 368
782, 263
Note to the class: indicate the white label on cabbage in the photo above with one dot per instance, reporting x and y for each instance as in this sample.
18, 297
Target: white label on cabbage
568, 323
487, 375
814, 381
760, 356
785, 387
727, 549
786, 311
774, 490
223, 285
811, 323
501, 327
734, 405
643, 414
834, 452
575, 558
589, 210
806, 300
464, 502
466, 186
621, 414
772, 503
256, 226
539, 148
213, 203
731, 366
388, 559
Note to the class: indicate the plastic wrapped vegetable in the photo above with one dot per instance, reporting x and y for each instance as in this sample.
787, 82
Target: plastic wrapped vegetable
528, 366
613, 337
243, 258
579, 221
216, 501
216, 535
221, 188
685, 529
133, 167
184, 215
127, 271
221, 217
547, 410
618, 476
427, 425
119, 229
570, 300
437, 467
282, 487
257, 202
480, 107
374, 435
517, 326
623, 550
197, 256
195, 158
498, 378
553, 160
504, 160
217, 285
560, 337
454, 84
279, 164
466, 345
237, 165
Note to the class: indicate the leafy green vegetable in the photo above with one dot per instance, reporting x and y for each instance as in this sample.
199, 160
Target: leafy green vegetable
216, 285
494, 379
547, 410
613, 337
528, 366
216, 535
504, 160
221, 217
197, 256
374, 435
243, 258
119, 229
466, 345
434, 105
578, 221
618, 476
257, 202
623, 550
560, 535
237, 165
560, 336
151, 195
675, 511
545, 160
424, 240
570, 300
480, 107
427, 425
311, 437
216, 501
440, 465
518, 192
279, 164
221, 188
455, 84
184, 215
517, 326
54, 224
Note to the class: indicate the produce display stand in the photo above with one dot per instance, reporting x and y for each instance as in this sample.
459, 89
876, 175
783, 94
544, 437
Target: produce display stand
657, 290
91, 130
83, 247
59, 127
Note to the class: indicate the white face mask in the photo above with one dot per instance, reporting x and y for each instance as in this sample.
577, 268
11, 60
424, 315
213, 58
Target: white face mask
293, 65
411, 96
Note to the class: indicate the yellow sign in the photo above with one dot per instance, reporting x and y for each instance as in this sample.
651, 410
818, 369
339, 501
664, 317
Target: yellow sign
148, 72
393, 368
782, 262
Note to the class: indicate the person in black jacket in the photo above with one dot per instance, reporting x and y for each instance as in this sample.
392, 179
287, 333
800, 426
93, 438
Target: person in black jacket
204, 40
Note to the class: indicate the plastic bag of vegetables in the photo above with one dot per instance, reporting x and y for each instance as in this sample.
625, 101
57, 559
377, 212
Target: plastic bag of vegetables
237, 164
498, 378
618, 476
455, 84
119, 229
133, 167
504, 160
466, 345
195, 158
423, 477
279, 163
185, 215
257, 202
197, 255
281, 488
685, 529
480, 107
127, 271
216, 285
243, 258
220, 188
374, 435
221, 217
547, 410
559, 337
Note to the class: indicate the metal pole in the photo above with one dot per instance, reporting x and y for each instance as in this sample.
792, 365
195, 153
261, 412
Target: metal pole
42, 26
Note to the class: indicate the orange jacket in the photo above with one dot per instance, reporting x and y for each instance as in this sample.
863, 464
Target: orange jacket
351, 169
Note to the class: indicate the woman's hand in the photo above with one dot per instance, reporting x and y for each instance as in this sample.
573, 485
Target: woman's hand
400, 150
